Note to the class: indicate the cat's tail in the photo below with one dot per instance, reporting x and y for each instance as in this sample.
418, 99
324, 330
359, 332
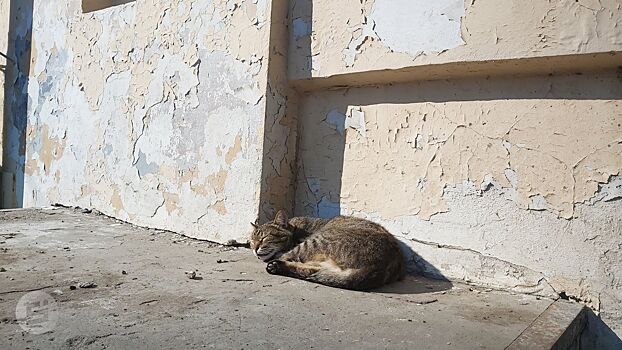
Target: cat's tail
359, 279
355, 279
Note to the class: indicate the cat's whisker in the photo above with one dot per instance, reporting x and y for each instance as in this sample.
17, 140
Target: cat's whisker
267, 257
264, 252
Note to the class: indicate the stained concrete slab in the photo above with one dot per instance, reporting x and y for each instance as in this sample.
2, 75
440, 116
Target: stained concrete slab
558, 327
143, 298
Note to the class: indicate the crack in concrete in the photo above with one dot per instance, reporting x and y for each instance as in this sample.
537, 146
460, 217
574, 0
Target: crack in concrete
26, 290
517, 266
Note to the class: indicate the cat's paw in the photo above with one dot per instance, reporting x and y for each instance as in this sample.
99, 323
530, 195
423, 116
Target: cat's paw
274, 267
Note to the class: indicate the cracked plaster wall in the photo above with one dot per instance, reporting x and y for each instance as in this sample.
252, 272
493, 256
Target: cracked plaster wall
152, 112
499, 173
17, 22
336, 37
4, 28
280, 136
508, 182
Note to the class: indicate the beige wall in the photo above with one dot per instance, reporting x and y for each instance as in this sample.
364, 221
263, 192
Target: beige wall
485, 134
506, 182
552, 140
339, 37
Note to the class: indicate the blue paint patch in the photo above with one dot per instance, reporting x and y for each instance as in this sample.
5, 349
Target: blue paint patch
327, 209
145, 168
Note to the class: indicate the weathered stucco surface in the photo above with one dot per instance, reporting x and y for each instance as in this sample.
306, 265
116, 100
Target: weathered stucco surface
338, 37
15, 97
497, 158
279, 150
152, 112
510, 182
4, 62
510, 132
486, 134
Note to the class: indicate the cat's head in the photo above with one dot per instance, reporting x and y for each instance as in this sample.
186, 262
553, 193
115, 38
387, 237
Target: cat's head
270, 240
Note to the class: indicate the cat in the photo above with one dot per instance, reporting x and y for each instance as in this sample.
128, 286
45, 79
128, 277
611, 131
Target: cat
343, 252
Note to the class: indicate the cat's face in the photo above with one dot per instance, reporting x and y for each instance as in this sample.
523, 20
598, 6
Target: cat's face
272, 239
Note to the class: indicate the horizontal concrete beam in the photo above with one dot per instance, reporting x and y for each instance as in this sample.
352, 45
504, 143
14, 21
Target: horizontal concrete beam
566, 64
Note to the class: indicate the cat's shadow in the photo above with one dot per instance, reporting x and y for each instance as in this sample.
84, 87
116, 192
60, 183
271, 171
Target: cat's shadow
415, 284
422, 278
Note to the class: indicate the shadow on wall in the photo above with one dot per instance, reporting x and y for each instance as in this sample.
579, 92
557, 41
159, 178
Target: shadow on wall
301, 32
279, 138
327, 122
326, 118
15, 118
332, 164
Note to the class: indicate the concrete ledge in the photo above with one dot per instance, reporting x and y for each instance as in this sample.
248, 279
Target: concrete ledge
558, 327
141, 298
567, 64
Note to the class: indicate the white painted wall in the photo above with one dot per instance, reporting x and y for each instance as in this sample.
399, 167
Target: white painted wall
152, 112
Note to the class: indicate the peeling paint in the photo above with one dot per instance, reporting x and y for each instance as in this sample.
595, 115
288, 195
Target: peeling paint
495, 181
437, 24
150, 112
351, 36
234, 150
337, 120
115, 201
515, 144
143, 167
301, 28
218, 180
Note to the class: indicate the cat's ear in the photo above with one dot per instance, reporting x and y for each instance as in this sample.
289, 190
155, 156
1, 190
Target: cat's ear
281, 219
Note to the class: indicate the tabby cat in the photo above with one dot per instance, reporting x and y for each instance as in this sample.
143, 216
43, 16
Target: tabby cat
344, 252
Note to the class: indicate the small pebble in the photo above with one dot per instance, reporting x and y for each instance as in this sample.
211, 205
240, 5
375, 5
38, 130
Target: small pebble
87, 285
191, 274
123, 272
72, 287
2, 269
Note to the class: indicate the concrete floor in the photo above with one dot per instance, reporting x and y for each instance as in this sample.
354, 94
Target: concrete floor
144, 299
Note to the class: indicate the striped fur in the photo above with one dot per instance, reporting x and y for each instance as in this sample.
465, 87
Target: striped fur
344, 252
